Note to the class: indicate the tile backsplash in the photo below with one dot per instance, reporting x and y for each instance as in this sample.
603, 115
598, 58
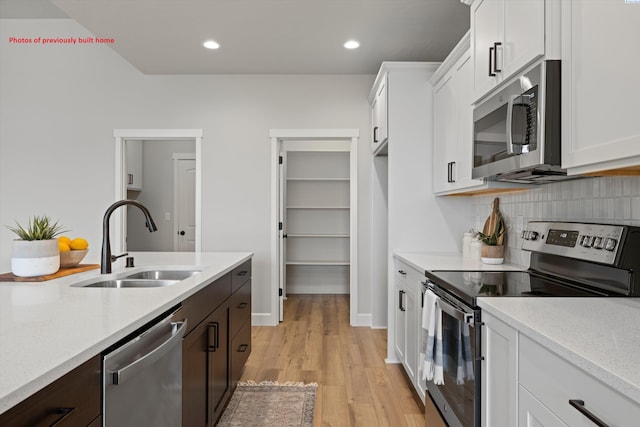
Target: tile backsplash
614, 200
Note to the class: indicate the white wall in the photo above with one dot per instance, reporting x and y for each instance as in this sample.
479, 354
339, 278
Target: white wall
60, 104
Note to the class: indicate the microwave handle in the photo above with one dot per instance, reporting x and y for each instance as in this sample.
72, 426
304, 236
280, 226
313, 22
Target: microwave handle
510, 102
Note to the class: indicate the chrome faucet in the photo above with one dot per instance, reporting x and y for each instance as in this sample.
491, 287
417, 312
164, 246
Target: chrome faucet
107, 258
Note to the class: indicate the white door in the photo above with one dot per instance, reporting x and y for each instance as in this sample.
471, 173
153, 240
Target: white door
184, 205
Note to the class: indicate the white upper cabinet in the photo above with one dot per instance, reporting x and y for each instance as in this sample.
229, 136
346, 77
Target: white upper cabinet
600, 90
379, 118
452, 125
508, 35
134, 165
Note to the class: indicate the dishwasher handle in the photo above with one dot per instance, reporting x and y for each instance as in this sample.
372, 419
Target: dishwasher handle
121, 375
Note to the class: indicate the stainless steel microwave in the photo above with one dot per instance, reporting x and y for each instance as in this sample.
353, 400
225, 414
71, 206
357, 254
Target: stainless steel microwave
516, 131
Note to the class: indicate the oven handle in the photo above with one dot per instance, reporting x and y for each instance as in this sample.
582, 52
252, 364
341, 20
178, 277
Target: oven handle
455, 312
447, 307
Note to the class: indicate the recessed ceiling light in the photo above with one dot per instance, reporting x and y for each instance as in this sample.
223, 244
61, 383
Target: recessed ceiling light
352, 44
210, 44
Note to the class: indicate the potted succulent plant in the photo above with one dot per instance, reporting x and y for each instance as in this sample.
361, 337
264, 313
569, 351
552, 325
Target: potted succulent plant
492, 237
36, 251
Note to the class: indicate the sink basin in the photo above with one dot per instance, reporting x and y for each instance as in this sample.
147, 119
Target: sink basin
163, 274
129, 283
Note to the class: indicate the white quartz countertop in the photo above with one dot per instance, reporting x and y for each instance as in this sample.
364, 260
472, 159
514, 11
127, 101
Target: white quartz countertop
49, 328
599, 335
430, 261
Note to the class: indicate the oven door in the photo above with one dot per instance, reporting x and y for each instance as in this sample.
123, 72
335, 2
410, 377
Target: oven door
458, 399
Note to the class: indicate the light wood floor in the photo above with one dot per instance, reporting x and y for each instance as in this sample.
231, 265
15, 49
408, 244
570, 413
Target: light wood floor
316, 344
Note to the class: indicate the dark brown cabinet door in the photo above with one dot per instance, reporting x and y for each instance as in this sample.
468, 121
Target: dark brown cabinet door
205, 370
218, 324
71, 401
195, 359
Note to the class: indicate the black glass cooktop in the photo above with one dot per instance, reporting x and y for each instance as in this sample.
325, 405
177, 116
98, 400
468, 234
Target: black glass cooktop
469, 285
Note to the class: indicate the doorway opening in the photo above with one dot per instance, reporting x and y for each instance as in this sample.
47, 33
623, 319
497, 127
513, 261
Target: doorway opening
172, 191
314, 204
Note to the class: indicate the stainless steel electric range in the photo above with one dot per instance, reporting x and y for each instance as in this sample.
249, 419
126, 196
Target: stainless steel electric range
568, 259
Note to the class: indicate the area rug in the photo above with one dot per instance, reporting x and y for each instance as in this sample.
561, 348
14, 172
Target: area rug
270, 404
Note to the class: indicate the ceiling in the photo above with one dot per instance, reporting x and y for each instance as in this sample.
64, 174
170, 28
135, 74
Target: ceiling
262, 36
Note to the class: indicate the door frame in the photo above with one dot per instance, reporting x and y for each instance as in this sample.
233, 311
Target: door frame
120, 137
277, 137
176, 188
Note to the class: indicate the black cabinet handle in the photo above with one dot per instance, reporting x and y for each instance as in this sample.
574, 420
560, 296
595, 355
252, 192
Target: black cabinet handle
243, 348
244, 272
65, 412
450, 172
375, 134
404, 273
243, 305
401, 301
181, 232
491, 56
579, 405
495, 57
213, 336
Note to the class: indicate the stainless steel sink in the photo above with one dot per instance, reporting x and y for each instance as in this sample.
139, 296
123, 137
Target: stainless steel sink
163, 274
129, 283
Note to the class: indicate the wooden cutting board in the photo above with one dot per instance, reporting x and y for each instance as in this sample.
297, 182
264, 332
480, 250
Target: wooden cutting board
490, 223
64, 271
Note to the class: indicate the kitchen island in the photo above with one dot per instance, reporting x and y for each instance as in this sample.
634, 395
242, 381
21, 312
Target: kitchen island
47, 329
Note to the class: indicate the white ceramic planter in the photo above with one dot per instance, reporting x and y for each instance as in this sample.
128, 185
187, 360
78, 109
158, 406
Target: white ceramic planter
492, 254
35, 257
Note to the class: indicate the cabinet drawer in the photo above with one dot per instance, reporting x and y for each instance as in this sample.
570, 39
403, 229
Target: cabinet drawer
240, 351
408, 275
73, 400
240, 308
554, 381
240, 275
200, 305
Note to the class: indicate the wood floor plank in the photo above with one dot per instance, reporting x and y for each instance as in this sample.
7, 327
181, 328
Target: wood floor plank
316, 344
335, 409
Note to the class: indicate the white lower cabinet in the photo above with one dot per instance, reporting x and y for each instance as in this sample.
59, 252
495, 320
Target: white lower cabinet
408, 321
499, 372
554, 382
532, 413
525, 384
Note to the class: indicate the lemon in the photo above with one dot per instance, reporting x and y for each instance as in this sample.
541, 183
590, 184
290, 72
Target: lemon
64, 239
78, 244
63, 247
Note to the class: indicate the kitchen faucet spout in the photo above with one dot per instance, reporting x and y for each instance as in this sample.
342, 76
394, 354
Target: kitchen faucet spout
106, 258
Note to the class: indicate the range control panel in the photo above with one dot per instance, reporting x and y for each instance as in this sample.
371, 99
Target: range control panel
589, 242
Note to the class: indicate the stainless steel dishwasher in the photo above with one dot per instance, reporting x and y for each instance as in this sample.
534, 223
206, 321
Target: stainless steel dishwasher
142, 378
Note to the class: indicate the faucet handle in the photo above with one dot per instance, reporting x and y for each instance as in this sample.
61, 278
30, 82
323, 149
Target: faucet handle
115, 257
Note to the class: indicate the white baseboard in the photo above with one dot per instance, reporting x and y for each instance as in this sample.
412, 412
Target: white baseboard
318, 289
363, 319
262, 319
